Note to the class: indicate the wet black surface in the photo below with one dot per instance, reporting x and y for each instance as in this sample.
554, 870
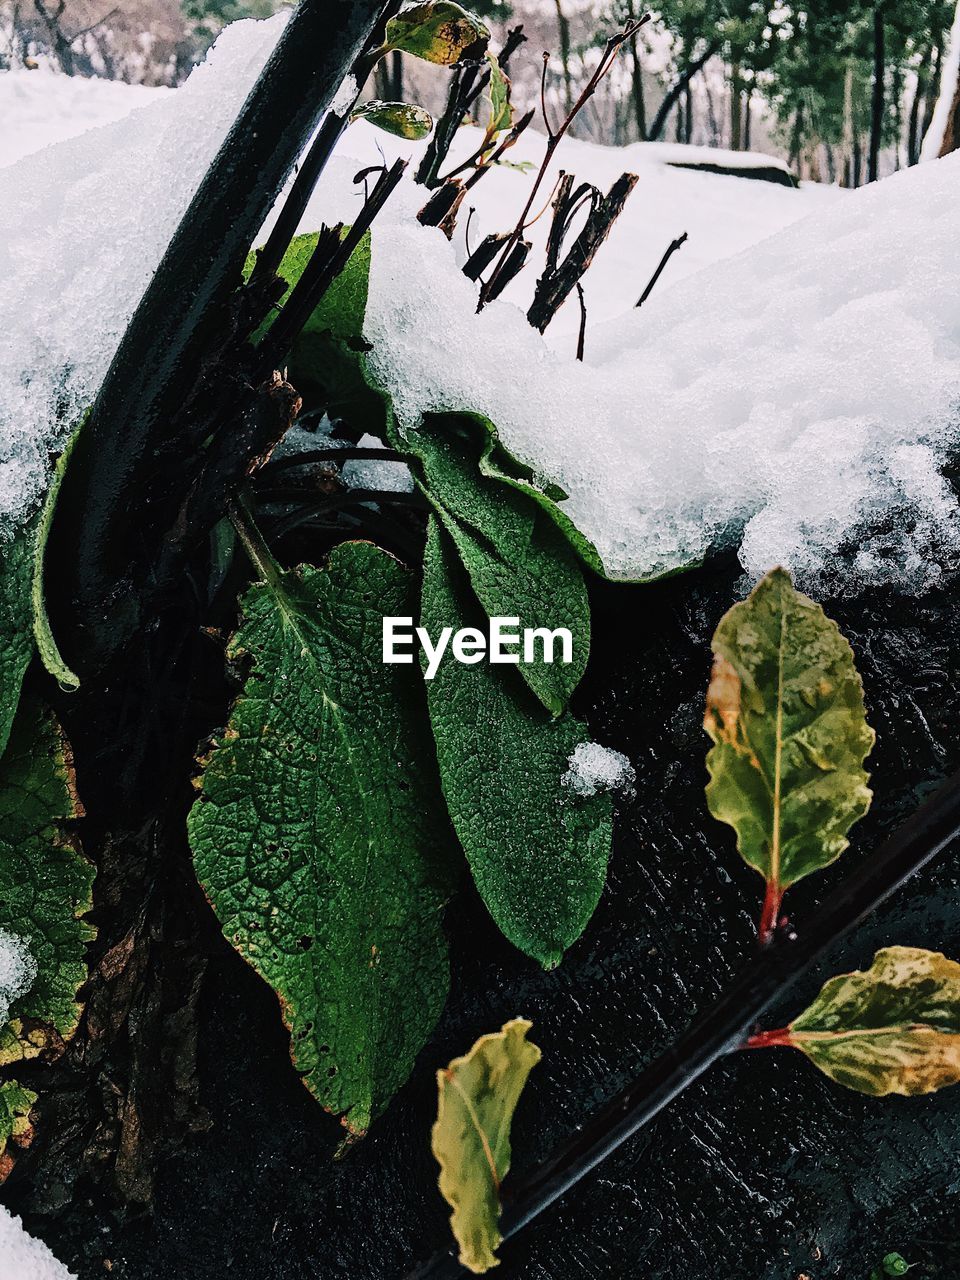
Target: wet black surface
763, 1169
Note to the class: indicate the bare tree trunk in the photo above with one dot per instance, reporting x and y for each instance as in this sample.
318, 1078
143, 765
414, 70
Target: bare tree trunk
679, 121
636, 75
736, 106
878, 100
748, 120
688, 115
930, 104
913, 129
563, 25
673, 97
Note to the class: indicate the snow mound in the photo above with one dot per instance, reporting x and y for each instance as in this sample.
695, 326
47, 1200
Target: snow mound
24, 1258
41, 107
18, 971
796, 400
594, 768
82, 227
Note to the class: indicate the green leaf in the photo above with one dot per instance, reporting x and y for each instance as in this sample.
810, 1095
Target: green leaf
326, 361
538, 853
893, 1028
437, 31
785, 710
15, 1124
16, 620
402, 119
501, 112
319, 834
519, 563
478, 1095
46, 644
45, 882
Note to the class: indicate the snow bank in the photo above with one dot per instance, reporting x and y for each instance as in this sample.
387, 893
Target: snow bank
82, 227
22, 1257
797, 398
41, 107
18, 971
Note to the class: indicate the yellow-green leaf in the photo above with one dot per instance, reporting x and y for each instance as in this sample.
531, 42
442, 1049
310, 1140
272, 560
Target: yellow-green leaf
785, 711
478, 1094
893, 1028
402, 119
501, 112
15, 1124
437, 31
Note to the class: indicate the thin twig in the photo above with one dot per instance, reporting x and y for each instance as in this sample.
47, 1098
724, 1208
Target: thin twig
671, 250
554, 138
313, 457
582, 336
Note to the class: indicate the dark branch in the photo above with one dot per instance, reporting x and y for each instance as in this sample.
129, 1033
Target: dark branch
671, 250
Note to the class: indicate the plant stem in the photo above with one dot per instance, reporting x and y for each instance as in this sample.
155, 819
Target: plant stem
554, 138
767, 928
254, 543
724, 1027
768, 1039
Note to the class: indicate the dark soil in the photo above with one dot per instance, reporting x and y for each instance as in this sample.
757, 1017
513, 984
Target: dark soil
764, 1169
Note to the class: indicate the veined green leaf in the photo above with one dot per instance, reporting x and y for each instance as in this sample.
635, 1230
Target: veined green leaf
16, 621
45, 883
498, 92
538, 853
785, 711
46, 644
402, 119
893, 1028
478, 1095
437, 31
16, 1128
519, 564
319, 834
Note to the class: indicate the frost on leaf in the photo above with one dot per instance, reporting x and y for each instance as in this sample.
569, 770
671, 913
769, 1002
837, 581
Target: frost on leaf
893, 1028
785, 711
45, 884
478, 1095
319, 834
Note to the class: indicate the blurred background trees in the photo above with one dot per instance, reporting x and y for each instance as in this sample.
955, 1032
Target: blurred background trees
845, 90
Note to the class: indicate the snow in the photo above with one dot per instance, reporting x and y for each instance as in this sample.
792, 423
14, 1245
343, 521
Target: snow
22, 1257
595, 768
363, 473
82, 227
791, 386
42, 107
933, 138
18, 970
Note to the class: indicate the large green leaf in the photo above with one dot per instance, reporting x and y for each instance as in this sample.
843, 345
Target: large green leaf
478, 1095
785, 710
519, 564
16, 620
45, 883
894, 1028
43, 634
538, 852
319, 833
437, 31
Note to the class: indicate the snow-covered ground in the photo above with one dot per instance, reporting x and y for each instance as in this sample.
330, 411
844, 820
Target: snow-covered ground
791, 385
24, 1258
